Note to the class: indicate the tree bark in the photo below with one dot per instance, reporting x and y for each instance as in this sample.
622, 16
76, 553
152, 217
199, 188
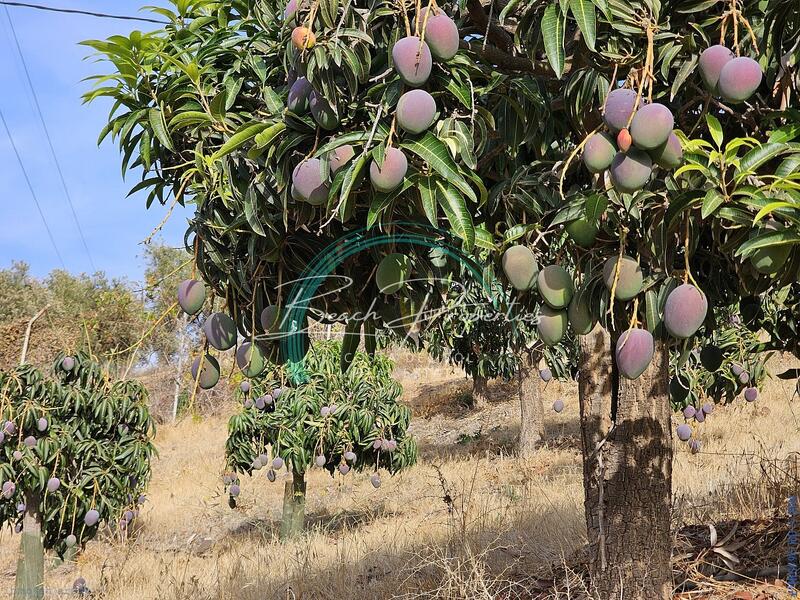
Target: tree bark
480, 392
30, 565
183, 355
531, 429
632, 559
594, 395
294, 506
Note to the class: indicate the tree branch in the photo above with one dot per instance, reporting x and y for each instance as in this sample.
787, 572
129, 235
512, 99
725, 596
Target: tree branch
503, 60
497, 35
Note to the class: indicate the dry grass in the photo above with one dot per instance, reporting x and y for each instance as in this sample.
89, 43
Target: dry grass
470, 521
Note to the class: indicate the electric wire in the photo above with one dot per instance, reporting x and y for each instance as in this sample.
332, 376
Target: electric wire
88, 13
32, 191
49, 140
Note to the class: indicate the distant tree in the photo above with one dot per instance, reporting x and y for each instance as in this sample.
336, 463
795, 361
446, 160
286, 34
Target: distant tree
171, 342
92, 311
165, 268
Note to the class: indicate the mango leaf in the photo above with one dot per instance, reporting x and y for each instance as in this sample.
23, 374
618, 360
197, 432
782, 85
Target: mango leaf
350, 178
685, 201
434, 152
484, 239
159, 126
583, 11
251, 212
683, 74
427, 191
772, 207
765, 240
188, 118
243, 135
715, 129
596, 205
712, 201
264, 138
512, 4
759, 156
553, 36
218, 105
652, 312
455, 208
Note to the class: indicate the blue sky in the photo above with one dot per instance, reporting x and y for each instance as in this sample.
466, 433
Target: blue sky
113, 225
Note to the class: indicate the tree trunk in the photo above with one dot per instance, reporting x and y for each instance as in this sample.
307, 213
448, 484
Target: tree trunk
531, 430
30, 566
594, 394
632, 561
480, 392
183, 354
294, 506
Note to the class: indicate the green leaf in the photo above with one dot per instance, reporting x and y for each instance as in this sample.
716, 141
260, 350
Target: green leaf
686, 201
188, 118
159, 126
433, 151
243, 135
758, 156
512, 4
553, 36
484, 239
218, 105
455, 208
250, 212
596, 205
765, 240
772, 207
264, 138
715, 129
712, 201
651, 310
583, 11
427, 191
144, 184
350, 178
683, 73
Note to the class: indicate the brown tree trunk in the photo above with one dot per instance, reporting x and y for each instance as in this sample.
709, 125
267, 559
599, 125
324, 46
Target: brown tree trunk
294, 506
632, 558
531, 429
30, 566
594, 395
480, 392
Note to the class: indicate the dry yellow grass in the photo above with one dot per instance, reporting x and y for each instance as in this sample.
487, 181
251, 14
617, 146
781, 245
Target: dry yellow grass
470, 521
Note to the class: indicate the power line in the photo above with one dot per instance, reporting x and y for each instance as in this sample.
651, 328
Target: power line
30, 187
82, 12
50, 141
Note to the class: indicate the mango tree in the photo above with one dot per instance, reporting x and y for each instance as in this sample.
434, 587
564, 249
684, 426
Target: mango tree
290, 126
76, 449
508, 128
667, 233
336, 421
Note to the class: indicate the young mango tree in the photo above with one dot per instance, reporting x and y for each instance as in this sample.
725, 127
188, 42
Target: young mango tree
337, 421
76, 451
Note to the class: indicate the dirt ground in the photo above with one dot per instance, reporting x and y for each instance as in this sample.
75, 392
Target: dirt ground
471, 520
